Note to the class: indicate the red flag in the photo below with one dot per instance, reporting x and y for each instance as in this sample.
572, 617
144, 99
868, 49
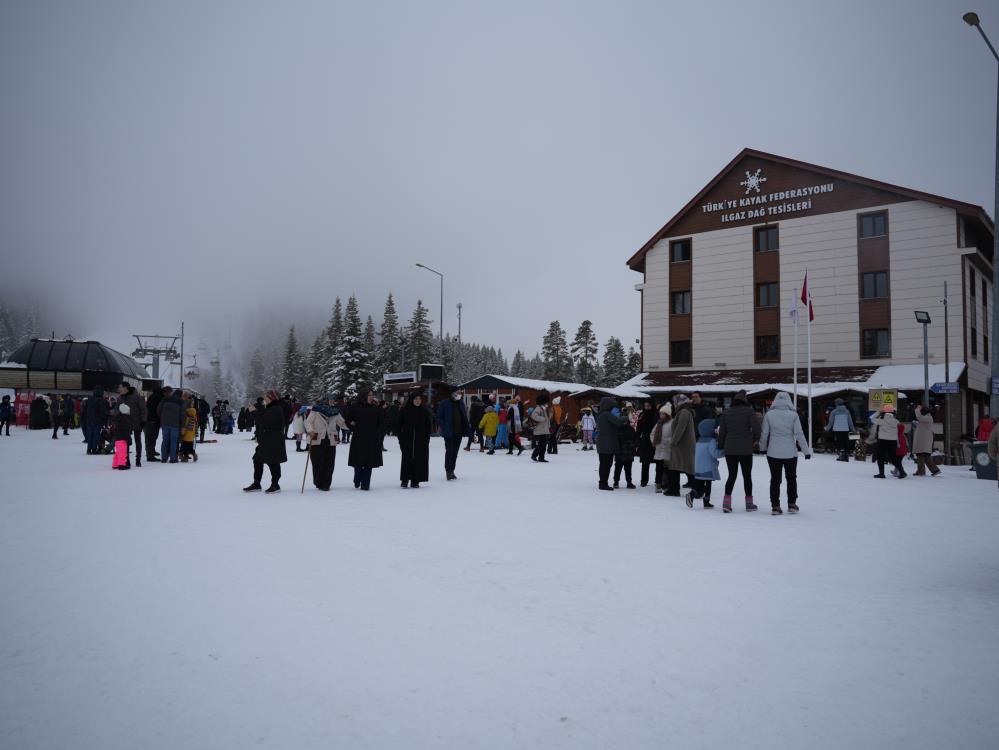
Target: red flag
806, 298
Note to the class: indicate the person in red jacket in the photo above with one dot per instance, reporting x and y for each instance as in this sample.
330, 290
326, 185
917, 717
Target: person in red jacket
985, 426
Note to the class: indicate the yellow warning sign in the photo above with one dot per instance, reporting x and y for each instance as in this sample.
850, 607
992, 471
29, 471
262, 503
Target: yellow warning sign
878, 398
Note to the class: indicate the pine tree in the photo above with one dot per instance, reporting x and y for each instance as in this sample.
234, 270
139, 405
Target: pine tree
389, 351
293, 369
255, 377
217, 385
350, 366
419, 338
584, 352
634, 366
518, 366
536, 368
372, 377
615, 363
8, 332
555, 354
314, 366
331, 339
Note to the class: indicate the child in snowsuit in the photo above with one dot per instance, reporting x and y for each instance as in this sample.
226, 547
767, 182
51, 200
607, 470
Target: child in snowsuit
588, 424
489, 425
706, 455
501, 428
122, 438
188, 434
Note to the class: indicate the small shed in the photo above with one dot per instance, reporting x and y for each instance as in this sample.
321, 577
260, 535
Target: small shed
506, 386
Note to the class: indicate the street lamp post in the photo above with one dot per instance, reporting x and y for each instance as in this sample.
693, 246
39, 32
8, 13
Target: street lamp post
924, 318
440, 335
972, 20
458, 365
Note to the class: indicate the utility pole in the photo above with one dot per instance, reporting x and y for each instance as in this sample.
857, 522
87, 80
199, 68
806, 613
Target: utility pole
946, 377
458, 358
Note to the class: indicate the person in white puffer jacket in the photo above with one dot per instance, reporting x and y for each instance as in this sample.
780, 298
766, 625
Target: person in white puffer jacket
780, 439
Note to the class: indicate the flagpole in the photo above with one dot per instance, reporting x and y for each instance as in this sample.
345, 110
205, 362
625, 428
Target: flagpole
808, 312
795, 316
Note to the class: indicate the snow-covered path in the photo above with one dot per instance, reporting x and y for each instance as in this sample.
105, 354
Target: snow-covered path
515, 608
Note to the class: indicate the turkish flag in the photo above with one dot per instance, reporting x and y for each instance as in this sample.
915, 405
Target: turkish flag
806, 298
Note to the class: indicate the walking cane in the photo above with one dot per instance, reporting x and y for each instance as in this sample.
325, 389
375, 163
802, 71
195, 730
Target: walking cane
306, 473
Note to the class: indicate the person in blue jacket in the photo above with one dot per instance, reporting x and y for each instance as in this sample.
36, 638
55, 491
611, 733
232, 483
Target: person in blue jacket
706, 455
453, 425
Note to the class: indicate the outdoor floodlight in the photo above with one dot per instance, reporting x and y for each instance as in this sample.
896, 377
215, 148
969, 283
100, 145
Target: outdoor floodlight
922, 317
971, 19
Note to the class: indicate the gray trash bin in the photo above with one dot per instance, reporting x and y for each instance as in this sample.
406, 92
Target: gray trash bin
985, 467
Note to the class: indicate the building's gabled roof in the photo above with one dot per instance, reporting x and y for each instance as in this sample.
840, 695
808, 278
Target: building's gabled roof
637, 261
506, 381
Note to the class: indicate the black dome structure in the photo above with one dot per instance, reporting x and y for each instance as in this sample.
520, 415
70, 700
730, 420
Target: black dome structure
72, 365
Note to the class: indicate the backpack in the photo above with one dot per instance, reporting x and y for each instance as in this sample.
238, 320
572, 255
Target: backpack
903, 446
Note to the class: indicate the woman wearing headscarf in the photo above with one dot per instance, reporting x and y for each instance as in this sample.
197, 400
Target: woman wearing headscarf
270, 443
364, 418
322, 427
414, 428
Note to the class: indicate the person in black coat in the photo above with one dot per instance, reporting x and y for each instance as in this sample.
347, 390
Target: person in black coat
270, 442
475, 412
414, 428
153, 423
647, 421
738, 434
627, 442
94, 417
364, 417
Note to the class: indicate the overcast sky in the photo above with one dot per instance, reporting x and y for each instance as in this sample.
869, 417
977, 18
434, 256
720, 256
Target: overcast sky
216, 161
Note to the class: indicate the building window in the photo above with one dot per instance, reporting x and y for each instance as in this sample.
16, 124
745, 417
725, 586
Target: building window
679, 352
974, 342
680, 303
766, 238
985, 293
768, 348
877, 342
874, 285
985, 348
768, 294
873, 225
679, 251
971, 281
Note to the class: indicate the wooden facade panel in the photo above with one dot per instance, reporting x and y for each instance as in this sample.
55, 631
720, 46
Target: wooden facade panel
766, 266
875, 313
766, 321
680, 275
680, 327
872, 254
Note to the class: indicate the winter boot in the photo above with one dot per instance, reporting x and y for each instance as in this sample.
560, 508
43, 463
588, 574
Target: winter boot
630, 486
776, 511
689, 499
272, 489
707, 503
255, 487
750, 506
792, 507
727, 504
605, 486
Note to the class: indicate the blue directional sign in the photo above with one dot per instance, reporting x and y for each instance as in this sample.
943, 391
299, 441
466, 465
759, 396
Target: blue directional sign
995, 386
945, 388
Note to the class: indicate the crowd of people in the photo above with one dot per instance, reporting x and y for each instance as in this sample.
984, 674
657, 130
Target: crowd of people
675, 439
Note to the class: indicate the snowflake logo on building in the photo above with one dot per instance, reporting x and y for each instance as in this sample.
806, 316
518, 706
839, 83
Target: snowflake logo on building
753, 181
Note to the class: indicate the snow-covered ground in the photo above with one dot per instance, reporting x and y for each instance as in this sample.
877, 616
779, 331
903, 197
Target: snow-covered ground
518, 607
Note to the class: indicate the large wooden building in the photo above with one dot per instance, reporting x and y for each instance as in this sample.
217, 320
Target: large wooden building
721, 276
